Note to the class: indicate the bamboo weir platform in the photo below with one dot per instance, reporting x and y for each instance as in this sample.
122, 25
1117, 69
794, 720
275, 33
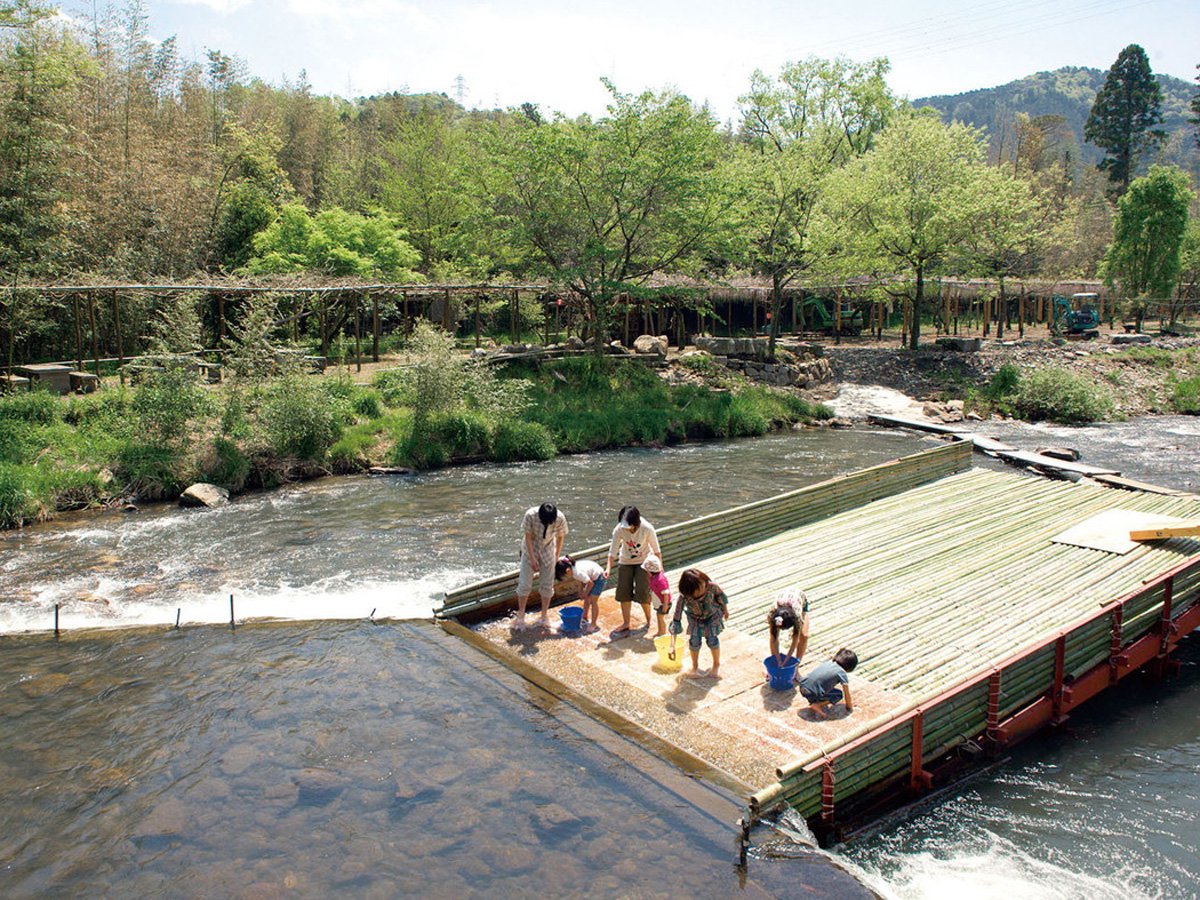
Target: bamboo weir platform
983, 605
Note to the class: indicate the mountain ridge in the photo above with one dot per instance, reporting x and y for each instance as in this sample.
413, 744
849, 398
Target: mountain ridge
1069, 92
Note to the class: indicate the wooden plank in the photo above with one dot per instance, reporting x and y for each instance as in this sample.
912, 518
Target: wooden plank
1162, 532
1023, 457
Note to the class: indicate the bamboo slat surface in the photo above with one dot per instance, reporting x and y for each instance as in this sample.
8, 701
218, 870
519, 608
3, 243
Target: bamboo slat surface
934, 583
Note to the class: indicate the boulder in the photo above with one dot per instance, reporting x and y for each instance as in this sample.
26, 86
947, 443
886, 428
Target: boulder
204, 494
648, 344
575, 343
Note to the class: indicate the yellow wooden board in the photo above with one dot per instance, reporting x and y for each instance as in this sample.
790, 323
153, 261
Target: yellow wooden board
1160, 532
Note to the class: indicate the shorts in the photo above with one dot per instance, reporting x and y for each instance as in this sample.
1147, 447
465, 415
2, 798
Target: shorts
661, 604
707, 629
544, 576
598, 587
833, 695
633, 584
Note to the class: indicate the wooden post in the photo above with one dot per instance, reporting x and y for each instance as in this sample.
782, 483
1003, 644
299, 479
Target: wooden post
95, 336
837, 316
117, 326
321, 325
729, 318
477, 321
374, 327
514, 324
1021, 313
625, 300
545, 323
357, 330
220, 318
78, 333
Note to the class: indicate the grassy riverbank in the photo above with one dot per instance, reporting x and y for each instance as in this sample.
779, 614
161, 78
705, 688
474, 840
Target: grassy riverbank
150, 441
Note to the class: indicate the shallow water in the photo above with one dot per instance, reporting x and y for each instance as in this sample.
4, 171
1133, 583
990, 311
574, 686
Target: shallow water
352, 759
327, 760
344, 547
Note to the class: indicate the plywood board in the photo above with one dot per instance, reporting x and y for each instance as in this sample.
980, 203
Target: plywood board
1109, 530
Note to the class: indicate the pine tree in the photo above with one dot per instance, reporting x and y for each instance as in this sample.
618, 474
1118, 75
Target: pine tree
1123, 117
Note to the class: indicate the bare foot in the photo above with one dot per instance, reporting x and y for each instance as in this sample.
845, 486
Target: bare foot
714, 674
544, 622
518, 623
621, 632
819, 712
659, 634
695, 673
590, 628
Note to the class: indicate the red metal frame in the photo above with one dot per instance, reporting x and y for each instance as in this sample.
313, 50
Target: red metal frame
1056, 705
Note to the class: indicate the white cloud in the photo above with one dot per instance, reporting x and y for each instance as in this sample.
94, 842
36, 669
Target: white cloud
221, 7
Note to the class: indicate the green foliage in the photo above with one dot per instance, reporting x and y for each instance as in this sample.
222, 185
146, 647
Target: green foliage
298, 418
1124, 114
334, 242
1058, 395
176, 327
39, 407
518, 441
251, 342
603, 204
1004, 382
152, 471
17, 503
908, 205
165, 403
225, 465
1152, 218
1185, 396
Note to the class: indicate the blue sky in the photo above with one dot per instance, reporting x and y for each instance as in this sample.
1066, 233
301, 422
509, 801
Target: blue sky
554, 53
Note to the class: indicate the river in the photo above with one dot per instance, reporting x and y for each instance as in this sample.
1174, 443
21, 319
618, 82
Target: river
377, 757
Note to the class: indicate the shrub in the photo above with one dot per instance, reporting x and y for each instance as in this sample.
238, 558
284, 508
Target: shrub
165, 403
225, 464
1061, 396
298, 419
1185, 396
1004, 381
151, 471
38, 407
513, 441
367, 403
16, 500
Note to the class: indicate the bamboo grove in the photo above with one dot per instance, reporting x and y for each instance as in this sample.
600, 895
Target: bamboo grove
122, 160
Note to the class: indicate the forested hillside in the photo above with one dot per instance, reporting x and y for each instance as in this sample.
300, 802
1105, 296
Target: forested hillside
1067, 93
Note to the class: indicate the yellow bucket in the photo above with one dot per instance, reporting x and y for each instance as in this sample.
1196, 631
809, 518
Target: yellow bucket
662, 644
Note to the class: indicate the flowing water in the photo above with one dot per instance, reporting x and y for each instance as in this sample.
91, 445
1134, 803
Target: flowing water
385, 759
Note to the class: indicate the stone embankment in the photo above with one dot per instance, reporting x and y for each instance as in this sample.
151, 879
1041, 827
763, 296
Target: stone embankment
1139, 382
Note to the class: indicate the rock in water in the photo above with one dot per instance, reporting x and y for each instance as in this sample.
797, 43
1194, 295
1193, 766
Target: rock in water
203, 494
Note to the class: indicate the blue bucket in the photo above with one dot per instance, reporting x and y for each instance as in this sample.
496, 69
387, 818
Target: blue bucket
781, 677
572, 617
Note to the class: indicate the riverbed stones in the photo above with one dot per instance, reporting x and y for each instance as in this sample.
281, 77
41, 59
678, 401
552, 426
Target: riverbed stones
319, 786
168, 817
204, 494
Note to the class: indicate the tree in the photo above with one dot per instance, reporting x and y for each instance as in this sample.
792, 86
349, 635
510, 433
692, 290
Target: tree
424, 182
1007, 229
1124, 114
912, 201
334, 242
1195, 120
1152, 217
603, 205
797, 129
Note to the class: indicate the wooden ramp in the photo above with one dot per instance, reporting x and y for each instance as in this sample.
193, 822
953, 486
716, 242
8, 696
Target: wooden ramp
972, 625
